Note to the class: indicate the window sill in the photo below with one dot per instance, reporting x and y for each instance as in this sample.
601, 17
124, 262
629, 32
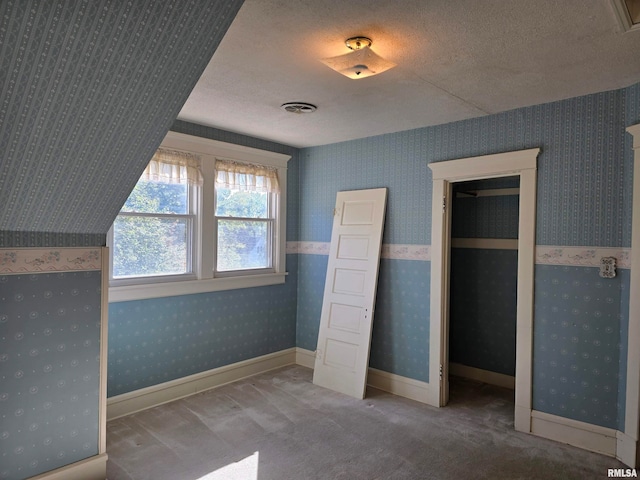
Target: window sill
189, 287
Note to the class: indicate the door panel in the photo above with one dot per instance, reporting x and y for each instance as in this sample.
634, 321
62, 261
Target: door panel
342, 356
355, 247
345, 317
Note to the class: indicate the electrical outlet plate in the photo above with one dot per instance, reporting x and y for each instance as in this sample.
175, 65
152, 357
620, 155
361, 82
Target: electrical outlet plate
608, 267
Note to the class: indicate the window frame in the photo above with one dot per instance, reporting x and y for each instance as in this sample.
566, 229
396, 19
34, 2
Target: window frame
271, 221
203, 278
192, 217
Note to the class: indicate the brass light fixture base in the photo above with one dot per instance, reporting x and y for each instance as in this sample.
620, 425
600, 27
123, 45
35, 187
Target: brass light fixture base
356, 43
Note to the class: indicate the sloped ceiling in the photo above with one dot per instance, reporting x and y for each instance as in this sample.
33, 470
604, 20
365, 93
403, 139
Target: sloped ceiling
88, 89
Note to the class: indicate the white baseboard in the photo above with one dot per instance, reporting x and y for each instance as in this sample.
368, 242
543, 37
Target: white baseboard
93, 468
388, 382
522, 419
306, 358
583, 435
579, 434
484, 376
144, 398
399, 385
628, 450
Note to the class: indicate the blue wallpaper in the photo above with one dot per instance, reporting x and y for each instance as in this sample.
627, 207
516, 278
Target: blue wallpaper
89, 91
482, 325
187, 344
484, 282
632, 117
396, 161
50, 371
577, 344
400, 337
51, 239
312, 270
485, 217
632, 112
625, 277
157, 340
581, 168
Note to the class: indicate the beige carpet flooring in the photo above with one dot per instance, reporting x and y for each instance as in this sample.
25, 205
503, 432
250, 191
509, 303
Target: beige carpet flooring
279, 426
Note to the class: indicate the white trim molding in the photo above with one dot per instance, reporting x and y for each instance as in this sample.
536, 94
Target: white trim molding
522, 163
581, 256
484, 376
190, 287
623, 17
579, 434
564, 430
626, 449
104, 351
399, 385
144, 398
201, 279
632, 401
385, 381
486, 166
92, 468
306, 358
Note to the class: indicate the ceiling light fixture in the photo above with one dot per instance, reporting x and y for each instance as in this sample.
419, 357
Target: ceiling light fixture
298, 107
361, 62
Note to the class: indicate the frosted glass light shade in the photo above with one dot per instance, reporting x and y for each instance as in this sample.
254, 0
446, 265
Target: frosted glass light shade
360, 63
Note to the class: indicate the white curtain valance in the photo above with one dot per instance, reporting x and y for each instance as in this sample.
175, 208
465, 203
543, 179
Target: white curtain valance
172, 166
246, 176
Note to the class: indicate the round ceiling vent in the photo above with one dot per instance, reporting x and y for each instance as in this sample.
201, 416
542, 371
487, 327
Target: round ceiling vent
298, 107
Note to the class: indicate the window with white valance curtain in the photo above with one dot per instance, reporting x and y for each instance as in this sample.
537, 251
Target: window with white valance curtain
153, 233
204, 213
246, 177
172, 166
245, 216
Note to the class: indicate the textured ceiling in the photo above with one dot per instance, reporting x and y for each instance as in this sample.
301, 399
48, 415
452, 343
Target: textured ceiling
88, 89
456, 60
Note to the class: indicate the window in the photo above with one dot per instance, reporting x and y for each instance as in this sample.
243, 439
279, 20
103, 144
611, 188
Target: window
204, 216
246, 200
152, 235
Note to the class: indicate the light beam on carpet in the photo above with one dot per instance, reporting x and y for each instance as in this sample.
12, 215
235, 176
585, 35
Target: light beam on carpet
245, 469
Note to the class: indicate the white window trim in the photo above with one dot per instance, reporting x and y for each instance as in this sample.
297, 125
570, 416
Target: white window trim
209, 150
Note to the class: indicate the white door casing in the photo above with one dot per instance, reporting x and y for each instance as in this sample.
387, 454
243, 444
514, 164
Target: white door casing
629, 449
346, 321
522, 163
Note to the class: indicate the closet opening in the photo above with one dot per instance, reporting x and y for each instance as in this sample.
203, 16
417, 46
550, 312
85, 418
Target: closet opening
483, 293
446, 175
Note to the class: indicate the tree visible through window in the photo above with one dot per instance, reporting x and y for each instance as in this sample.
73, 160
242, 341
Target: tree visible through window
152, 233
245, 215
244, 230
197, 215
